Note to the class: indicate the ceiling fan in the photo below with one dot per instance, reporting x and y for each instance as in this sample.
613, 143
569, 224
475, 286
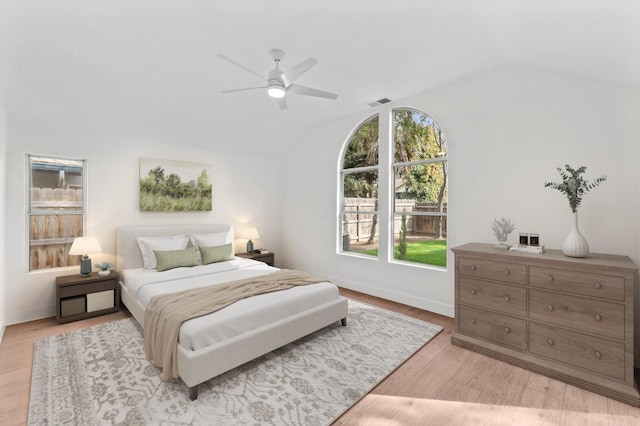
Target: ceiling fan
280, 83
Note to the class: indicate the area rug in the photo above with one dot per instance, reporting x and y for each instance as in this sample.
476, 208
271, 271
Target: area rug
99, 376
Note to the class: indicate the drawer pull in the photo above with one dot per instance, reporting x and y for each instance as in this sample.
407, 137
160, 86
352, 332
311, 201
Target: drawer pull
598, 285
506, 272
473, 267
550, 278
550, 342
598, 317
507, 330
550, 307
473, 320
598, 354
506, 299
473, 292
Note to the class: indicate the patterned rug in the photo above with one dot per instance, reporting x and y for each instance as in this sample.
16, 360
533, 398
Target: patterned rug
99, 376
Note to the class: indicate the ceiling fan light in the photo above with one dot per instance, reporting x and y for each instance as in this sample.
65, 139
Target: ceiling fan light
276, 91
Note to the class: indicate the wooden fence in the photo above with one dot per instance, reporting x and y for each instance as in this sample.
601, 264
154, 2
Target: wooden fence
53, 225
358, 225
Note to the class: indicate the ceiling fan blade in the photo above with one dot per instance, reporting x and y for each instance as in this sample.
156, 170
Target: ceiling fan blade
239, 65
243, 89
309, 91
282, 102
292, 74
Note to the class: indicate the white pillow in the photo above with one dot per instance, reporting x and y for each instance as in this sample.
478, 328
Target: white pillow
149, 244
213, 239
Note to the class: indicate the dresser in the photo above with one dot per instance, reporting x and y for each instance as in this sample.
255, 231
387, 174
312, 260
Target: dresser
570, 319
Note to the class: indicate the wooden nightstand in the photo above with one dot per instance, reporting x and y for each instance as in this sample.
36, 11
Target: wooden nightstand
79, 297
268, 258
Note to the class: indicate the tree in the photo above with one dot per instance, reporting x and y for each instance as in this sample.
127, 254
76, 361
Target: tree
402, 247
362, 151
440, 142
157, 174
418, 137
202, 185
172, 183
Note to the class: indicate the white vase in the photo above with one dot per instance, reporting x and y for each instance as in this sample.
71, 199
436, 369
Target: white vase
575, 245
104, 273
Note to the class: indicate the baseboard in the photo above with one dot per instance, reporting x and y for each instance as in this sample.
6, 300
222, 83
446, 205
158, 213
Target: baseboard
394, 296
30, 314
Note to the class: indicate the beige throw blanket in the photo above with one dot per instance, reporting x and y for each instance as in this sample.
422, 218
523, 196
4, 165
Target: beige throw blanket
165, 313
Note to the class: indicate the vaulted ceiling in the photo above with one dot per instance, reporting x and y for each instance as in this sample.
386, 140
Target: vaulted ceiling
148, 69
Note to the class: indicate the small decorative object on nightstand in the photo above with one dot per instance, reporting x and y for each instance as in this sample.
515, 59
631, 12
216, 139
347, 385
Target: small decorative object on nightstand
104, 268
266, 257
79, 297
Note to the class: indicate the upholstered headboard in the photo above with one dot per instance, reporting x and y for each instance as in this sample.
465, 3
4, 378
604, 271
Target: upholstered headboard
128, 254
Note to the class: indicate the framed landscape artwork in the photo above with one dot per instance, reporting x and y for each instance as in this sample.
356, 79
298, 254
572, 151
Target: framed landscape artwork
170, 186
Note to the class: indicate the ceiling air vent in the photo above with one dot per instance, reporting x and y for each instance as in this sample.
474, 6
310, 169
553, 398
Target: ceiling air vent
379, 102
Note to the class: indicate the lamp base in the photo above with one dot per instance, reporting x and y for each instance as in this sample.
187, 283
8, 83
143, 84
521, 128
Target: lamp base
85, 266
249, 246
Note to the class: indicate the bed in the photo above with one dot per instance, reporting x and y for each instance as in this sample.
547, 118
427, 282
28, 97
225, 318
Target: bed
218, 342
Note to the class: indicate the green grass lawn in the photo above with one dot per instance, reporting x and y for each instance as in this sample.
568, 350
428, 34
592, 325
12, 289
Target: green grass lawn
431, 252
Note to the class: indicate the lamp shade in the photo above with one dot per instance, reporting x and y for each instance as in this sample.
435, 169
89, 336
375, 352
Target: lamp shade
250, 234
85, 245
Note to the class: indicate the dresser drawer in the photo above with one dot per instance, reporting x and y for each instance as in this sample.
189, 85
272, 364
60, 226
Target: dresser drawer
582, 283
490, 270
505, 298
599, 355
588, 315
501, 329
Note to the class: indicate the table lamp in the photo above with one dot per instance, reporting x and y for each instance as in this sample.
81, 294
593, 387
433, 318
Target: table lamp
85, 246
250, 234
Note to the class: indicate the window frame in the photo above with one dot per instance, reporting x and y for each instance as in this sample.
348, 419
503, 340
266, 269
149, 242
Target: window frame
386, 169
392, 196
32, 211
353, 170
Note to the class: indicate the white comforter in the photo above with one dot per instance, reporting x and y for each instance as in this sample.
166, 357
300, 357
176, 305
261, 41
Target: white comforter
235, 319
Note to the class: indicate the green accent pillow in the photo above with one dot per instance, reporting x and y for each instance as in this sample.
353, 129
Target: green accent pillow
176, 258
216, 253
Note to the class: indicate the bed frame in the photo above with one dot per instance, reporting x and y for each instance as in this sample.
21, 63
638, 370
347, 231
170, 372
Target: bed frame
198, 366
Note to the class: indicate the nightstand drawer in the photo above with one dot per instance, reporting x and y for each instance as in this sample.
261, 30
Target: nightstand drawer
100, 300
501, 329
588, 315
79, 289
599, 355
490, 270
73, 306
505, 298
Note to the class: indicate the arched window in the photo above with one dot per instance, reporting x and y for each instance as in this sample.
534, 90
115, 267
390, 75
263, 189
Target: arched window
417, 198
360, 190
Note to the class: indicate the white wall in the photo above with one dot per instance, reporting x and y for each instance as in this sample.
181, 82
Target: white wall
507, 129
245, 192
3, 152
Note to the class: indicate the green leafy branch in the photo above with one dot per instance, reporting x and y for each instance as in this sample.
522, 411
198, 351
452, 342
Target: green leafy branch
573, 185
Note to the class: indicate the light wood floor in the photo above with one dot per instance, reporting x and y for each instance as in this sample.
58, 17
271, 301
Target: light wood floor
441, 384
